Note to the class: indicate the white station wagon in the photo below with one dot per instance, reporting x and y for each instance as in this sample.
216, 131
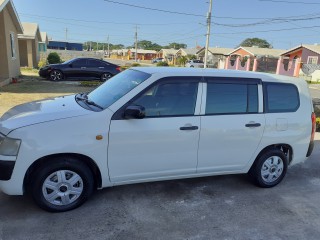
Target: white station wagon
153, 124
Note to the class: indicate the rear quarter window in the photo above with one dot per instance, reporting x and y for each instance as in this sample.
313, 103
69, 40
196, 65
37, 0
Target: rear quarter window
281, 97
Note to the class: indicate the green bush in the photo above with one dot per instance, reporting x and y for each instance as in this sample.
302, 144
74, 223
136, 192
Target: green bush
43, 62
53, 58
162, 64
135, 65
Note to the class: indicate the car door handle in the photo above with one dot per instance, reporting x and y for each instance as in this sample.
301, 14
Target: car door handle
83, 67
101, 67
189, 128
253, 125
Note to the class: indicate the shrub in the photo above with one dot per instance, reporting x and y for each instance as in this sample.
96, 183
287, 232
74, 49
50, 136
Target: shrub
53, 58
162, 64
135, 65
318, 124
43, 62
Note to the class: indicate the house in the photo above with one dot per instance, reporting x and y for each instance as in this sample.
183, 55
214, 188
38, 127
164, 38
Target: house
119, 54
253, 59
29, 45
168, 55
187, 51
62, 45
44, 42
142, 54
10, 27
305, 58
216, 56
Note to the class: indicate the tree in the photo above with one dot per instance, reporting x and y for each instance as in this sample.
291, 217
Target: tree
191, 57
176, 45
250, 42
182, 60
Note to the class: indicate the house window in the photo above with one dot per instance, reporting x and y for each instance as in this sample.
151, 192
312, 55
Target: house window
12, 43
312, 60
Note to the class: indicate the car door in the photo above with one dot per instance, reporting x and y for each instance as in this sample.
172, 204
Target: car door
95, 68
232, 124
78, 68
164, 143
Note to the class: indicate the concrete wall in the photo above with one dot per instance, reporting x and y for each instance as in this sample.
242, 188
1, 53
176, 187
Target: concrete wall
23, 53
69, 54
4, 69
10, 66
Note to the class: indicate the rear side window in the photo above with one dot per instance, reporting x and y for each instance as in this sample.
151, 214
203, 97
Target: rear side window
281, 97
231, 98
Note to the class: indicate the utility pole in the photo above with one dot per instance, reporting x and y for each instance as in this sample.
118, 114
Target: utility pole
208, 35
136, 44
90, 45
65, 48
108, 47
97, 45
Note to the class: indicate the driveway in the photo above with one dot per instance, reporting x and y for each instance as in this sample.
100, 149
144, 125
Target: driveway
222, 207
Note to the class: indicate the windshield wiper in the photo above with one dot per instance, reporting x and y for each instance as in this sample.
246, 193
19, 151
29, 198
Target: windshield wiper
84, 97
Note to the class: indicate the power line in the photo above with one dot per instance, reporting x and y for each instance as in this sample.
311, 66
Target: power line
266, 31
283, 1
105, 22
155, 9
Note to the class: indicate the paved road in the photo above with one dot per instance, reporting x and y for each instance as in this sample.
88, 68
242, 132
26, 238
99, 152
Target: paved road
223, 207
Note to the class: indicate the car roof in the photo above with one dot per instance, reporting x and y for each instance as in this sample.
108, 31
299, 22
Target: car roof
206, 72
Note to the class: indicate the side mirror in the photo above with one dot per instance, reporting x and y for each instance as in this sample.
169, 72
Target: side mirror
134, 111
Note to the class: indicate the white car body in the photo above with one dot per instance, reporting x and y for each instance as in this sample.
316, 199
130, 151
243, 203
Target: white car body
153, 149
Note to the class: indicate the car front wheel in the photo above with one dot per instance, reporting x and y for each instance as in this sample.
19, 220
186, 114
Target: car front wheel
62, 185
269, 169
56, 75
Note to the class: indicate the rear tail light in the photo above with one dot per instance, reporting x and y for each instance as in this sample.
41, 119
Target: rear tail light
311, 145
118, 69
313, 119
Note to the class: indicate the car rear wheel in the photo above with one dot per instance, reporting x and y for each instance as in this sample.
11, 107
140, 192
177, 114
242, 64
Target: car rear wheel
269, 169
105, 76
56, 75
62, 185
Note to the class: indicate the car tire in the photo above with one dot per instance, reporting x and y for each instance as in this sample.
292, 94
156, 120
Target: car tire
105, 76
56, 75
62, 184
192, 66
269, 169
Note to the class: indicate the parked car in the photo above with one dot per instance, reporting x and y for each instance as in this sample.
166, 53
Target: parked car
80, 68
156, 60
153, 124
195, 63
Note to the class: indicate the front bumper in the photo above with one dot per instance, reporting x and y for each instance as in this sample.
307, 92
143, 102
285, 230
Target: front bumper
6, 169
43, 73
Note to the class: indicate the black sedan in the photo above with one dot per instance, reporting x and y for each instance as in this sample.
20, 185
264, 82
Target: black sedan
80, 68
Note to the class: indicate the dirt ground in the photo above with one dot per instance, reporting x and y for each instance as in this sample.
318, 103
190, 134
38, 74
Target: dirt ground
31, 88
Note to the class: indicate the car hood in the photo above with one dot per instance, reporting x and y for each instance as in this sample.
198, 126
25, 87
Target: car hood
40, 111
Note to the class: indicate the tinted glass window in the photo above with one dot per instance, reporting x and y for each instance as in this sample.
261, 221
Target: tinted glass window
169, 99
79, 63
282, 97
224, 98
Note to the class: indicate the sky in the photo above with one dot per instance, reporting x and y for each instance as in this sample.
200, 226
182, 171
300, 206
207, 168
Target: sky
283, 23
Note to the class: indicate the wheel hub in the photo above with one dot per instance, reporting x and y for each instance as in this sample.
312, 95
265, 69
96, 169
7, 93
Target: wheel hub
63, 188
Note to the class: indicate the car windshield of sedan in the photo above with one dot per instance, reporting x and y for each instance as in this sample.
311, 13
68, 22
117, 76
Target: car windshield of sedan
116, 87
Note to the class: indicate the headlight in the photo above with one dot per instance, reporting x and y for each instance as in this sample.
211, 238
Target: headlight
9, 146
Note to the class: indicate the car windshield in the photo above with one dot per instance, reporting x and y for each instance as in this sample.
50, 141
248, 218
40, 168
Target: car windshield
117, 86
